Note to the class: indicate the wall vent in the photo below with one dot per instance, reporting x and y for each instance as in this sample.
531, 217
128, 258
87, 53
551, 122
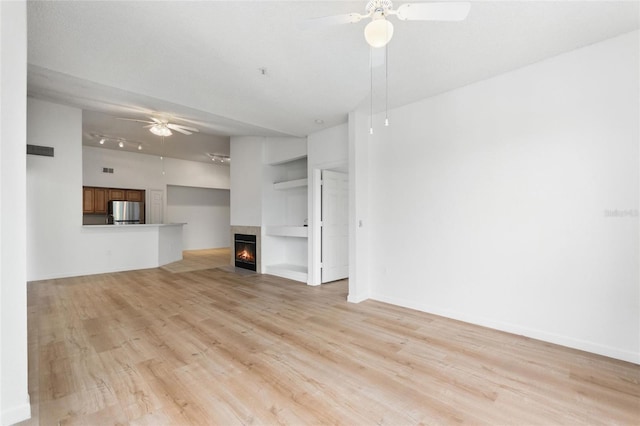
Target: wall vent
107, 170
46, 151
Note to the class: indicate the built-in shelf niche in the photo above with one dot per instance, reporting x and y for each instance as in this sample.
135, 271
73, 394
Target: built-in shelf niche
290, 184
285, 214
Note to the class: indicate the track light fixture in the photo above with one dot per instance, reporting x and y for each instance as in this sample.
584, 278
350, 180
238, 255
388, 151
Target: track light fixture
219, 158
106, 140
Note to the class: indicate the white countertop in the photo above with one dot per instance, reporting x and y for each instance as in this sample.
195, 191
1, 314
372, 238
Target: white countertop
140, 225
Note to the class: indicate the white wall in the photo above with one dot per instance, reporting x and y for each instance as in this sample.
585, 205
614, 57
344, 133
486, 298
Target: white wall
489, 203
206, 213
285, 149
246, 180
359, 208
143, 171
329, 148
14, 399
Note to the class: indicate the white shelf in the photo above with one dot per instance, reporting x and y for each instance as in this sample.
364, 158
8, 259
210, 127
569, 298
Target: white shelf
286, 270
297, 183
288, 231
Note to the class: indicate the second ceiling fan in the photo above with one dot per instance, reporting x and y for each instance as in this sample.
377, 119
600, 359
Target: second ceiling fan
162, 127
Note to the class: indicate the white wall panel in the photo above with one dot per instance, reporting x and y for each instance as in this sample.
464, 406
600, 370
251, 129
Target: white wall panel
14, 399
490, 203
246, 180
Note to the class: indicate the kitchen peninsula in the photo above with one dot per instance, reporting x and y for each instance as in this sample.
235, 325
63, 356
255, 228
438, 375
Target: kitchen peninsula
129, 247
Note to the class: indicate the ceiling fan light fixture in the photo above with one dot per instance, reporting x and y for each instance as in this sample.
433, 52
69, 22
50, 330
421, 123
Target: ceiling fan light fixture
160, 130
378, 32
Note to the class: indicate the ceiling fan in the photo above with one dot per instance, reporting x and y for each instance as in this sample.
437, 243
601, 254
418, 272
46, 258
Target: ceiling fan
379, 31
161, 127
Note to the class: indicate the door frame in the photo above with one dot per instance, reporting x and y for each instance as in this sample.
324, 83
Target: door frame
315, 214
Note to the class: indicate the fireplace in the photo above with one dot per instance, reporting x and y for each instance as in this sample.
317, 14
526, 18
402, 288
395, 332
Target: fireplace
245, 251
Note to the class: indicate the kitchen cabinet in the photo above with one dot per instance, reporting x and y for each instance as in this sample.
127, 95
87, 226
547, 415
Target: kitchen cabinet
95, 200
88, 200
116, 194
134, 195
99, 200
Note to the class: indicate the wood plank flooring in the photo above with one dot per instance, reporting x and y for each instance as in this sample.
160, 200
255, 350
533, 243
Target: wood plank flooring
211, 347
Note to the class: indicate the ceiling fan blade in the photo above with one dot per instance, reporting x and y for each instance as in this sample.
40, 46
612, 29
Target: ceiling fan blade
325, 21
183, 131
157, 120
180, 127
133, 119
436, 11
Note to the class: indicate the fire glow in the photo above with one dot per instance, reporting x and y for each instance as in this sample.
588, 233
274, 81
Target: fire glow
246, 256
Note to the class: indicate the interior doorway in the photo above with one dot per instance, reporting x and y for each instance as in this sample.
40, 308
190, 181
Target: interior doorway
156, 206
335, 226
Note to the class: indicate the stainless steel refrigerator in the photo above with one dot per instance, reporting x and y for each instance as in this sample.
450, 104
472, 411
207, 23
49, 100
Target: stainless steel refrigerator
123, 212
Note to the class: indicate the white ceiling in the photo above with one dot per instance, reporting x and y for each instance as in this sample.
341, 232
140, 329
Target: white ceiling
199, 62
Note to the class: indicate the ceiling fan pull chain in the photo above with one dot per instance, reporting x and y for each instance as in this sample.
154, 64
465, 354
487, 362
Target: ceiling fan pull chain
386, 85
370, 90
162, 156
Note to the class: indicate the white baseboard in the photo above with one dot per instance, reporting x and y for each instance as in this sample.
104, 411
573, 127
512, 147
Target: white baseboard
357, 298
557, 339
16, 414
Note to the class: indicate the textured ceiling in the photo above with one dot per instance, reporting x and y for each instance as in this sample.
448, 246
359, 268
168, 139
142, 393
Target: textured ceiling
200, 61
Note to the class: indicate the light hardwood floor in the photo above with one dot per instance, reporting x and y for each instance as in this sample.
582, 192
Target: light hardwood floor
209, 346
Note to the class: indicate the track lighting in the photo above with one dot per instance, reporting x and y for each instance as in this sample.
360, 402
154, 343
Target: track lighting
107, 140
219, 158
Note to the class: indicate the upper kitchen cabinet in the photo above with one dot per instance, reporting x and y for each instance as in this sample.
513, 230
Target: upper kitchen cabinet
134, 195
88, 198
94, 200
117, 194
99, 200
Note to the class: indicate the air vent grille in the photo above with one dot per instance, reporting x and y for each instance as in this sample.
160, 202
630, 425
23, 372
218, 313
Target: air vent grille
45, 151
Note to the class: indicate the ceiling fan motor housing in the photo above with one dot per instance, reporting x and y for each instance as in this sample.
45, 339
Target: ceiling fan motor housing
379, 8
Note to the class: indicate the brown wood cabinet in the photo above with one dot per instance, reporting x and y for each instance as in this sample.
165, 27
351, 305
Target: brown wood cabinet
88, 197
116, 194
134, 195
99, 200
96, 199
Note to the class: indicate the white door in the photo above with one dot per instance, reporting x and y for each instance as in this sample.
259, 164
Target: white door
335, 226
156, 201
